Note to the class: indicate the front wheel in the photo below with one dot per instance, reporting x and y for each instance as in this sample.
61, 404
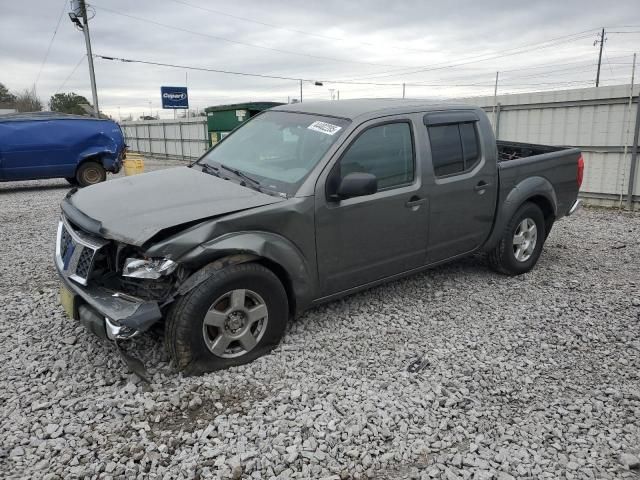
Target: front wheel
232, 318
521, 243
90, 173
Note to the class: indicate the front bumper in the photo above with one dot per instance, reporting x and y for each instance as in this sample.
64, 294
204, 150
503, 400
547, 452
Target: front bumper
110, 314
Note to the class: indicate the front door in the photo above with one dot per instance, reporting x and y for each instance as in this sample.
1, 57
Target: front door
363, 239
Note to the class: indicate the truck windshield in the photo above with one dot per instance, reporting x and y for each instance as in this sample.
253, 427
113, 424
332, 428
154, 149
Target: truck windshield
278, 149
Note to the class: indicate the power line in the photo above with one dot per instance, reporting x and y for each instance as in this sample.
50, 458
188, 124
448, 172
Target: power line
608, 62
246, 44
479, 58
297, 79
300, 32
55, 31
576, 65
71, 74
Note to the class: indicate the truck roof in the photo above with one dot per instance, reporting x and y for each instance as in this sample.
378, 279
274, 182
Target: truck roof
368, 107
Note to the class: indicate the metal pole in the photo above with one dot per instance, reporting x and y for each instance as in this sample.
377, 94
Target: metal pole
627, 120
149, 132
300, 90
634, 158
87, 41
338, 94
403, 90
495, 101
498, 121
164, 137
181, 141
600, 58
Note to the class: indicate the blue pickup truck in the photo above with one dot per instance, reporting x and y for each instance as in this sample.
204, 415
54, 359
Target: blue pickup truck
53, 145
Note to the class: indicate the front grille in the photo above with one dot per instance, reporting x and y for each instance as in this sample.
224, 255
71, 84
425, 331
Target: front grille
65, 242
76, 251
84, 262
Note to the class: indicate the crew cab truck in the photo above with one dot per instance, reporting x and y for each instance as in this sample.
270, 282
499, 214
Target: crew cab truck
56, 145
302, 204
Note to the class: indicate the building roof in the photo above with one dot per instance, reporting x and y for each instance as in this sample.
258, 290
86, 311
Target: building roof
367, 107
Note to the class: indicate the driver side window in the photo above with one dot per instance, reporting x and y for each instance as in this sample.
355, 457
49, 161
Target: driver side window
385, 151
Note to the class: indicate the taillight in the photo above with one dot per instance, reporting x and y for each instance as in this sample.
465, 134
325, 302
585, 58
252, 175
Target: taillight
580, 171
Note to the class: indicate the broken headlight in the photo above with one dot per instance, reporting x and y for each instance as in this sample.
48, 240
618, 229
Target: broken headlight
148, 268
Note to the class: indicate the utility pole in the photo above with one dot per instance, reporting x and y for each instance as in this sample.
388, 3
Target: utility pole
403, 90
79, 9
601, 42
301, 91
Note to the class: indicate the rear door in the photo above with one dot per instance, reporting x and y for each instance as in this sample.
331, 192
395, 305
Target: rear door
463, 186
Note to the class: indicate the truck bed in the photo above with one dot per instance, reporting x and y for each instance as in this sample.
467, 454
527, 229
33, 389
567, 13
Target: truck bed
513, 150
558, 165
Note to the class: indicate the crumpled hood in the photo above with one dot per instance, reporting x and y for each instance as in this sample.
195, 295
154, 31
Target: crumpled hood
134, 209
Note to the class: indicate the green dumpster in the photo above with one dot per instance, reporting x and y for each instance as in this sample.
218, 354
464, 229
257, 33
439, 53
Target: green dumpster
221, 119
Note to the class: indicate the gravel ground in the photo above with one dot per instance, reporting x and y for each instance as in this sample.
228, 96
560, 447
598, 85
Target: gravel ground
455, 373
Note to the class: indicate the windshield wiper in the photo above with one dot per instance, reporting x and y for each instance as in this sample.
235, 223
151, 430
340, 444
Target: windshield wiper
210, 169
240, 174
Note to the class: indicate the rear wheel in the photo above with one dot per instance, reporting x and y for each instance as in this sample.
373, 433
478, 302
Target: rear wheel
234, 317
90, 173
521, 243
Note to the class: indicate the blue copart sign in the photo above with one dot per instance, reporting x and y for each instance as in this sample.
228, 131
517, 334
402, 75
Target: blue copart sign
174, 97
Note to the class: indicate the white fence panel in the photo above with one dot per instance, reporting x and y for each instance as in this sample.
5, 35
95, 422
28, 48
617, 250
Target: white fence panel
185, 138
597, 120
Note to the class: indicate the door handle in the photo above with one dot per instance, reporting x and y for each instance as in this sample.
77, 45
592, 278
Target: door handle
415, 202
481, 187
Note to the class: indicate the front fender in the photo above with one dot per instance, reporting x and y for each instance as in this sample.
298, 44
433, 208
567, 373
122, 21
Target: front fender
248, 246
528, 188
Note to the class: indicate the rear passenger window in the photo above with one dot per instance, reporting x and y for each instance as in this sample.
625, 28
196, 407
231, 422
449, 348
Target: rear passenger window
470, 148
446, 150
386, 151
454, 148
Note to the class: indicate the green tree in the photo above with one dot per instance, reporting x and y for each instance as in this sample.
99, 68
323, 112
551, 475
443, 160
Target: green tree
68, 103
5, 95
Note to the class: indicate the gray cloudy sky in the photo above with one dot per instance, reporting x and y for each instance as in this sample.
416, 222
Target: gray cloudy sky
452, 47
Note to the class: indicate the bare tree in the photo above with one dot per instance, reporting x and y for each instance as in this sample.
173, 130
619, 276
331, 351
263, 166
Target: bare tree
28, 101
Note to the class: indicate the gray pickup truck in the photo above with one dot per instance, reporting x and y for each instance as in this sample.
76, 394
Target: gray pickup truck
302, 204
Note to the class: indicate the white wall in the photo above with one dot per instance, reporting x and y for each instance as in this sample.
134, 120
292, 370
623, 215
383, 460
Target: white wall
597, 120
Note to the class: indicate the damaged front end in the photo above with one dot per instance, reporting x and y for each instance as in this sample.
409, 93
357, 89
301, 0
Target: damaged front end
111, 287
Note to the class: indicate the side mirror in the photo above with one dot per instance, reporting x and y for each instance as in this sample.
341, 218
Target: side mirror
356, 184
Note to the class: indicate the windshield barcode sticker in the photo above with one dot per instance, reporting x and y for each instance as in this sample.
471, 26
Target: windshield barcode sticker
324, 127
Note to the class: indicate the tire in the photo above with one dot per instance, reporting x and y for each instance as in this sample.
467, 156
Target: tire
90, 173
517, 258
72, 181
261, 313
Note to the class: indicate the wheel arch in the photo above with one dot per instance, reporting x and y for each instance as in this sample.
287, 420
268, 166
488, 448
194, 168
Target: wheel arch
537, 190
272, 251
93, 157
